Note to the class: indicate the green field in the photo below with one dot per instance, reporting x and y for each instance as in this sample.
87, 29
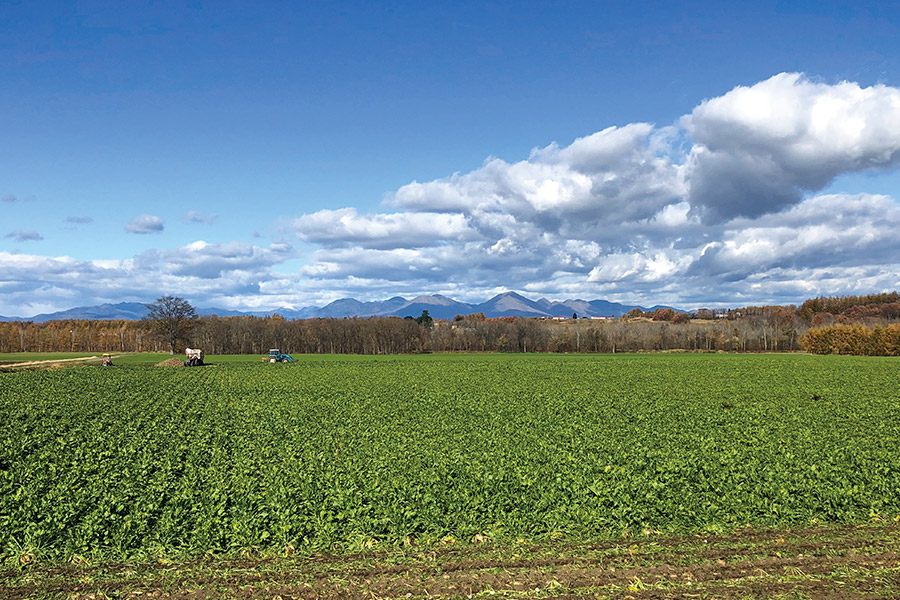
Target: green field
338, 453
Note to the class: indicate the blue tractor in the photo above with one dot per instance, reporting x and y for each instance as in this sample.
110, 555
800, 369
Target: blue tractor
275, 356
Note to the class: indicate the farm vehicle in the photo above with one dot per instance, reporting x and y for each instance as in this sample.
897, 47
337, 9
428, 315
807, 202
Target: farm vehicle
193, 357
276, 355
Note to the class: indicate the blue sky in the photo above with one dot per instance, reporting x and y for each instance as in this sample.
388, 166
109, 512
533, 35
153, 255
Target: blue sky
256, 155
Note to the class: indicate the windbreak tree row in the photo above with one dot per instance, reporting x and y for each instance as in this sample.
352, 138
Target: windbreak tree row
393, 335
856, 339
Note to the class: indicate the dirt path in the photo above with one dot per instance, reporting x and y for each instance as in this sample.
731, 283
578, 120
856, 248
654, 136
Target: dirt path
39, 363
821, 563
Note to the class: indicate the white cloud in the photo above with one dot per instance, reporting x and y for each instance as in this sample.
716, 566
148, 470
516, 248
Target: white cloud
145, 224
336, 228
617, 173
836, 230
201, 260
204, 272
192, 216
758, 148
720, 198
717, 208
673, 215
79, 220
638, 267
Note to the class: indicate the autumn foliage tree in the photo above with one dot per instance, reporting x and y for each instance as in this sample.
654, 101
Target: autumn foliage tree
886, 305
853, 339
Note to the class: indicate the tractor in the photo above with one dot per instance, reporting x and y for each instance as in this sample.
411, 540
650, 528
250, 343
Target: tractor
193, 357
275, 355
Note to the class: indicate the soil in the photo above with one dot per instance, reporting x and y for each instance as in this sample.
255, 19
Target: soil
171, 362
822, 563
48, 363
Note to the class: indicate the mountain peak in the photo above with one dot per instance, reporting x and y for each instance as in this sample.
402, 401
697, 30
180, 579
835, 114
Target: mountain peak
515, 295
435, 299
511, 304
506, 304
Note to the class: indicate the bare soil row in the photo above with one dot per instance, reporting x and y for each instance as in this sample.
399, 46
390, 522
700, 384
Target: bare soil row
820, 562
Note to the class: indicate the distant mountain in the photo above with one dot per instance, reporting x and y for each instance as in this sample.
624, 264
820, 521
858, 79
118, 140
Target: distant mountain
511, 304
507, 304
567, 308
351, 307
438, 307
127, 311
290, 313
598, 308
220, 312
287, 313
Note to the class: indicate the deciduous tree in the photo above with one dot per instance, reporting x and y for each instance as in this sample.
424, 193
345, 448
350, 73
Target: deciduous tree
171, 318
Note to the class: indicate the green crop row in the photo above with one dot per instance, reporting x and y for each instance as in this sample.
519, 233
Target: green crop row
331, 453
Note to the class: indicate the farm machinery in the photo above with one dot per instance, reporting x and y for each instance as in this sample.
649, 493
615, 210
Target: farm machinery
275, 356
193, 357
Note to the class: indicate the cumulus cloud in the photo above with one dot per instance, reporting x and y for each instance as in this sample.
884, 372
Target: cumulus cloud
724, 206
828, 230
202, 260
227, 275
639, 267
145, 224
24, 236
757, 149
618, 173
335, 228
719, 200
192, 216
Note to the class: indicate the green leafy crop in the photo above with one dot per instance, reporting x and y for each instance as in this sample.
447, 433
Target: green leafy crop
332, 453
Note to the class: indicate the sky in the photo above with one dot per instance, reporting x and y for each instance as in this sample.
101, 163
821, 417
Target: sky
256, 155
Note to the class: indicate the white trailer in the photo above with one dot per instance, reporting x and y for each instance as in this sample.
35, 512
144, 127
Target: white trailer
193, 357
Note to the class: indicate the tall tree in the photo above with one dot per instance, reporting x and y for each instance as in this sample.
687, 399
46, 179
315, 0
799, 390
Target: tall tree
171, 318
425, 320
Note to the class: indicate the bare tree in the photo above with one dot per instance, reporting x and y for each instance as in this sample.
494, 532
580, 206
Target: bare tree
171, 318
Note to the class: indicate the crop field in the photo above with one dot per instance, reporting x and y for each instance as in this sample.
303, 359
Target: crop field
420, 460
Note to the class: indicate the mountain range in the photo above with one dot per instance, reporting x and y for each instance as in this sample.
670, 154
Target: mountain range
507, 304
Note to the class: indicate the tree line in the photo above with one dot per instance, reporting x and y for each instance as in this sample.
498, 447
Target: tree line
393, 335
853, 339
858, 325
886, 305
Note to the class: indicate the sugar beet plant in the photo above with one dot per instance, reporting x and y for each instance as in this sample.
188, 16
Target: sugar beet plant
332, 453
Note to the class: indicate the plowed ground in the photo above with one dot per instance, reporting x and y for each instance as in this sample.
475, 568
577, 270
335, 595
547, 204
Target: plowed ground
836, 562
